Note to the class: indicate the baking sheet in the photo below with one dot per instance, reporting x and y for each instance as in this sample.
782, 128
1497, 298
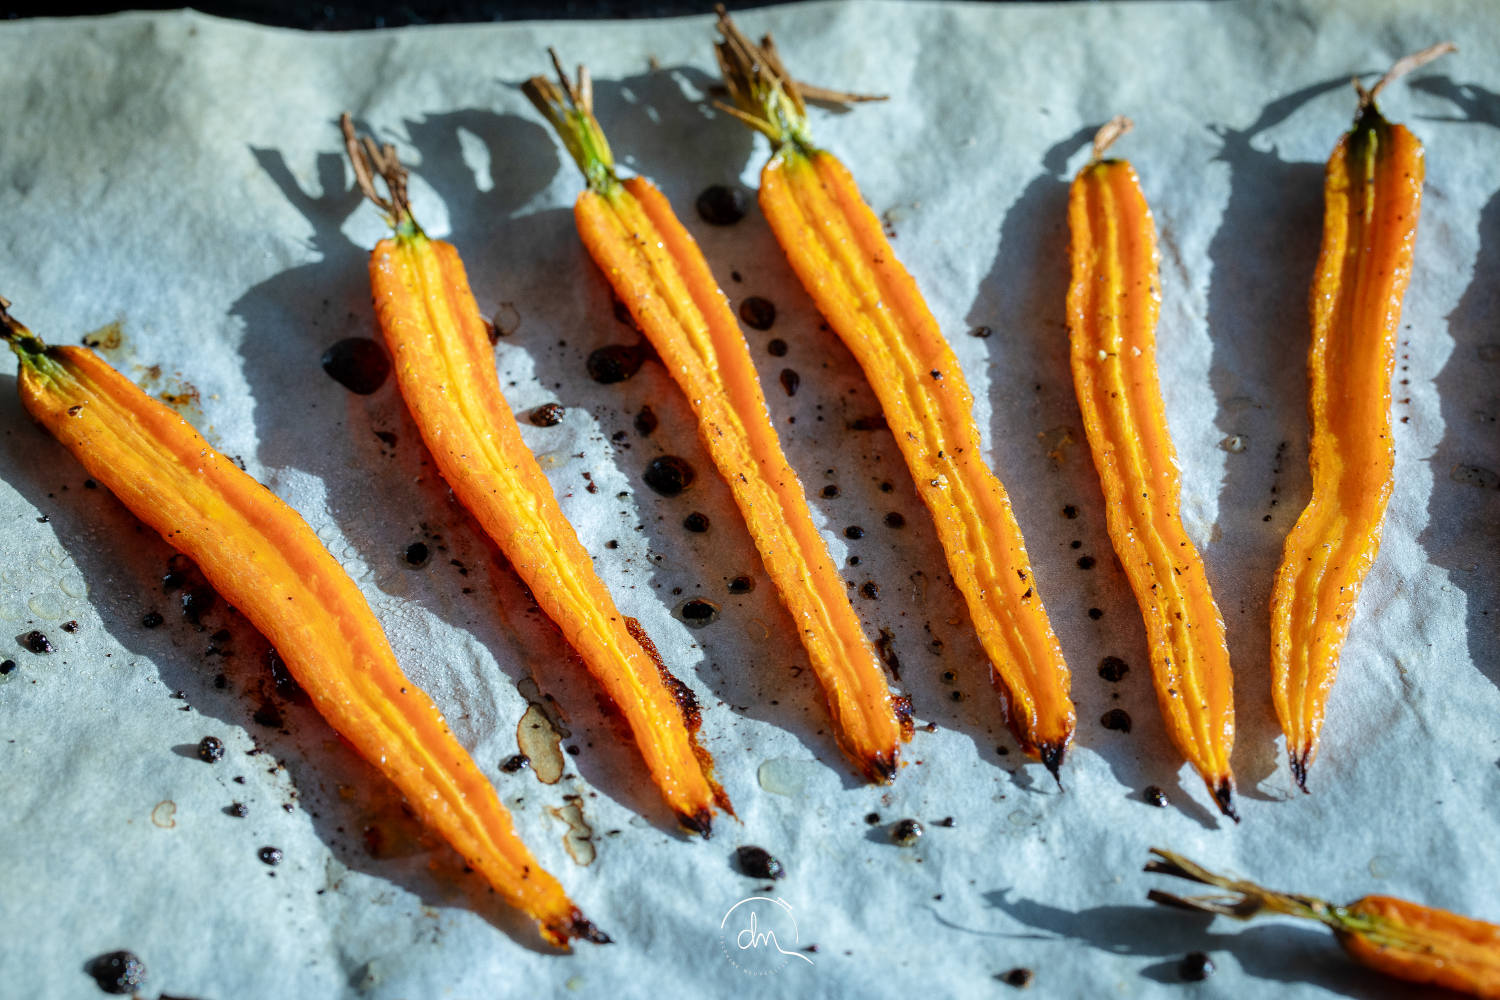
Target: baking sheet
175, 183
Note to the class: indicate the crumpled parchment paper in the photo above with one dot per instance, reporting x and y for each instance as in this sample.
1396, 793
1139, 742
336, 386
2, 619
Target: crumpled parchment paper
173, 188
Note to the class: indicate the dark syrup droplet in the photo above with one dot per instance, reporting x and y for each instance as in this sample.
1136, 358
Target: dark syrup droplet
669, 475
416, 555
721, 205
270, 855
696, 523
1117, 719
757, 862
1113, 669
790, 381
358, 364
614, 363
741, 585
758, 313
1196, 967
118, 972
547, 415
1154, 796
777, 348
210, 749
906, 832
645, 421
697, 613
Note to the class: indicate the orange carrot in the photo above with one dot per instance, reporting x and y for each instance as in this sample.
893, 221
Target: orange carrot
265, 560
838, 250
446, 372
657, 269
1113, 303
1373, 194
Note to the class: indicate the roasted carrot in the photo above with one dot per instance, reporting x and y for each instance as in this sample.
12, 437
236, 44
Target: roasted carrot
1406, 940
657, 270
838, 250
1113, 303
446, 373
265, 560
1372, 194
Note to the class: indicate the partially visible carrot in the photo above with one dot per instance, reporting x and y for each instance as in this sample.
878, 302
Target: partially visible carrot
1420, 944
839, 251
1113, 303
446, 371
658, 271
1373, 194
265, 560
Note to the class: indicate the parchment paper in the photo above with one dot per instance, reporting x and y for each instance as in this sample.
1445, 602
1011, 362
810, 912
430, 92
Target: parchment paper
179, 180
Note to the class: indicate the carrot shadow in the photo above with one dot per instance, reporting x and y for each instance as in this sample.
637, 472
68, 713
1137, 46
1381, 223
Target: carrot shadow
1262, 258
1273, 952
1463, 524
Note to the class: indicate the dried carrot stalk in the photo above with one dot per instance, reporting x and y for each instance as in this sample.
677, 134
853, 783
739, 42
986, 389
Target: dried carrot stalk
1406, 940
266, 561
836, 246
1113, 303
1372, 195
657, 269
446, 372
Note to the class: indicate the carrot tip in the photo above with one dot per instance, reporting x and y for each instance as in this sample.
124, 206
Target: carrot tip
586, 930
1224, 796
881, 767
1052, 755
1299, 764
700, 822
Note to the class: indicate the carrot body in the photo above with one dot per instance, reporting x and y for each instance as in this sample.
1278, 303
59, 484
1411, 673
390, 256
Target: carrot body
447, 376
1372, 192
1423, 944
657, 269
1113, 303
265, 560
838, 250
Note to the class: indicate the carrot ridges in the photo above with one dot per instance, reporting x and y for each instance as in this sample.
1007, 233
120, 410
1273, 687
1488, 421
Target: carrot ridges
1372, 192
838, 250
445, 369
1113, 306
268, 563
657, 270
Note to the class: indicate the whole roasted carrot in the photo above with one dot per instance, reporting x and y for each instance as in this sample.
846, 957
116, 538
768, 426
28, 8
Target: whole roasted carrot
1406, 940
1372, 195
446, 372
657, 269
1113, 303
838, 249
266, 561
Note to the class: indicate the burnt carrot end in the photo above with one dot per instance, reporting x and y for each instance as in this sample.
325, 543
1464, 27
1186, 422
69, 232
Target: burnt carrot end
1372, 193
839, 251
265, 560
446, 373
658, 271
1113, 303
1402, 939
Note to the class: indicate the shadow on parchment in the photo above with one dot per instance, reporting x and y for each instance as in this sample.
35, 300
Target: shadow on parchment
1023, 301
1463, 522
1262, 257
1275, 951
218, 666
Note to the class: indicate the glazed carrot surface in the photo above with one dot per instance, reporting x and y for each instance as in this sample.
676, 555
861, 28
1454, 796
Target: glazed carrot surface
1113, 303
1400, 938
1372, 196
264, 559
446, 373
657, 270
838, 250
